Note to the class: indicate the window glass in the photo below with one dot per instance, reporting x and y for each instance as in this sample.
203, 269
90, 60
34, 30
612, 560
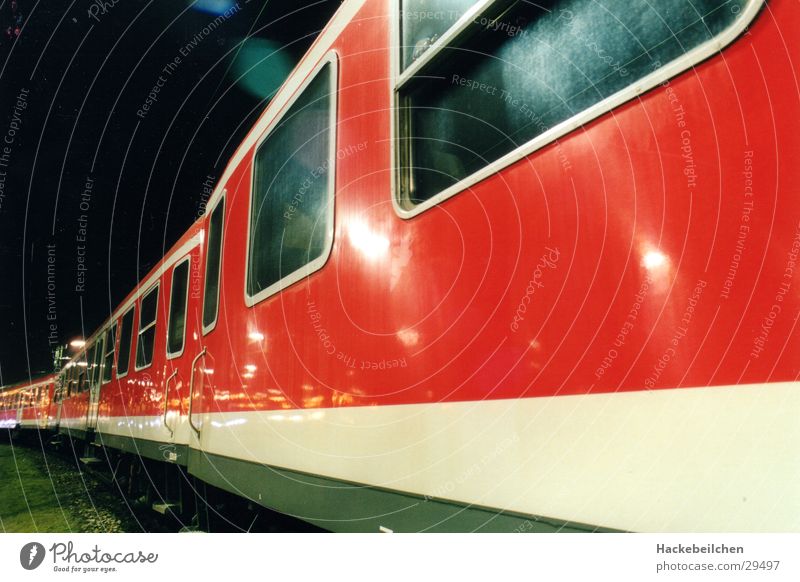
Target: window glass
213, 262
97, 368
108, 363
289, 219
77, 370
125, 343
147, 329
83, 371
90, 355
177, 308
524, 67
422, 22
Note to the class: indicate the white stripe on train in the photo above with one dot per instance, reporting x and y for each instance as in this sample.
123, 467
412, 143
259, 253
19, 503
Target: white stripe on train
700, 459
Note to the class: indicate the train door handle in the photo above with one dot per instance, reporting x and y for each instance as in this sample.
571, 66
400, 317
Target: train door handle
166, 401
191, 391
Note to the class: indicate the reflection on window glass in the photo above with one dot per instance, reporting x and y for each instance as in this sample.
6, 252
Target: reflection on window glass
526, 67
291, 192
422, 22
147, 329
177, 308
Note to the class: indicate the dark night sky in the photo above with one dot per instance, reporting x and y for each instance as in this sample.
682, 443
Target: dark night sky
73, 76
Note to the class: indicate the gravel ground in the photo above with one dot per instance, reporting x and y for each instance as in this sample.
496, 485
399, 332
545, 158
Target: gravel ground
43, 492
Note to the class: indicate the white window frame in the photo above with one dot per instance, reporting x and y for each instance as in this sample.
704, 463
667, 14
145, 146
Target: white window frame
209, 214
400, 78
130, 350
173, 355
315, 265
157, 288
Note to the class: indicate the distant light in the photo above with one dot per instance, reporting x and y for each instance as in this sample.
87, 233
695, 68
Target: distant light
250, 367
654, 260
213, 6
208, 371
77, 343
256, 336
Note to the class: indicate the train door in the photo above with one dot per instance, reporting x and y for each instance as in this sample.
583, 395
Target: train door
61, 389
19, 404
202, 369
95, 378
104, 358
58, 396
181, 344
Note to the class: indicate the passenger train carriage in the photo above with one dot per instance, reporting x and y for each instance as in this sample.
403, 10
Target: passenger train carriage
496, 266
28, 404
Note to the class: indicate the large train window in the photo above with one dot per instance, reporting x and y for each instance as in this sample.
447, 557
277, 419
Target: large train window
512, 76
125, 335
179, 295
147, 329
108, 359
213, 266
291, 208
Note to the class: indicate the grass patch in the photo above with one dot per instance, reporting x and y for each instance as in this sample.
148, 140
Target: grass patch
28, 502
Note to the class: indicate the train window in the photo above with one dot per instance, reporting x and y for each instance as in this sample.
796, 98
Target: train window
291, 209
89, 355
75, 379
97, 369
422, 22
147, 329
213, 266
125, 335
511, 71
108, 360
179, 295
82, 382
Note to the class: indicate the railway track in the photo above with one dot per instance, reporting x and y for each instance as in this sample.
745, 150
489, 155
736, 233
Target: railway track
63, 485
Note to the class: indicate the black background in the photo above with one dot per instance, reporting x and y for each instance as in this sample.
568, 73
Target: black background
86, 78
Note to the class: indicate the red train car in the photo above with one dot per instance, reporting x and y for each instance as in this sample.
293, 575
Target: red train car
10, 398
489, 266
26, 405
37, 396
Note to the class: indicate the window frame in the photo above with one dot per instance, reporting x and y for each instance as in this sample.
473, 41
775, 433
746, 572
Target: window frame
330, 58
157, 288
186, 259
221, 200
400, 78
121, 323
